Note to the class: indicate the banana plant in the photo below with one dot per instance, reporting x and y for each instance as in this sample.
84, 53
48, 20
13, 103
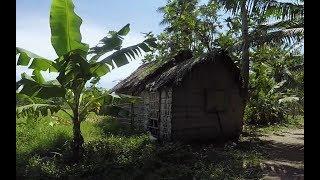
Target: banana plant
74, 67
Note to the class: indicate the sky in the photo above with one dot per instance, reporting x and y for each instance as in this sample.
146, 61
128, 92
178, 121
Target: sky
99, 17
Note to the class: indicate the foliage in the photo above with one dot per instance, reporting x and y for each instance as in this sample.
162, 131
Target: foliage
255, 17
268, 21
74, 69
274, 33
188, 25
276, 85
115, 152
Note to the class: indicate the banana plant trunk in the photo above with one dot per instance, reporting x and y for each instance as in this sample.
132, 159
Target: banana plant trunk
245, 51
77, 136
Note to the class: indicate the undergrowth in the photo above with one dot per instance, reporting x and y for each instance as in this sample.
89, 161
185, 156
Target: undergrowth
114, 152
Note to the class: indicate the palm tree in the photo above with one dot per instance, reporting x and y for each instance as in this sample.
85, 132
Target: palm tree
289, 26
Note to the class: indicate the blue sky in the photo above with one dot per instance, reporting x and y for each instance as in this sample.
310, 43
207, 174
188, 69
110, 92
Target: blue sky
99, 17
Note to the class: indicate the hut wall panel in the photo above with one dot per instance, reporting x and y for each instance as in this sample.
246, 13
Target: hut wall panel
124, 121
208, 132
148, 109
146, 113
190, 118
140, 112
165, 114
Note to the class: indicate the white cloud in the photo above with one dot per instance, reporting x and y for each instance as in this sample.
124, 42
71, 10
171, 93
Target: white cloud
33, 33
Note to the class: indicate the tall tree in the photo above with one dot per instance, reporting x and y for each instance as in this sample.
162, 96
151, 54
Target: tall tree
285, 29
189, 25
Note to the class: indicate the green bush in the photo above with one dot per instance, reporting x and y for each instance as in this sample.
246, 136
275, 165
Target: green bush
276, 86
262, 110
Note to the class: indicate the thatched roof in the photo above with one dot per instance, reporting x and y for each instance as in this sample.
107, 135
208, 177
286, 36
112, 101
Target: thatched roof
154, 75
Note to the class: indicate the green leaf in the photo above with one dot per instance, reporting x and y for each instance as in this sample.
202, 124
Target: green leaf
38, 77
36, 110
120, 60
41, 90
23, 59
38, 62
132, 55
65, 28
145, 47
119, 57
109, 104
74, 71
111, 43
95, 80
24, 97
43, 65
151, 42
25, 56
99, 69
125, 30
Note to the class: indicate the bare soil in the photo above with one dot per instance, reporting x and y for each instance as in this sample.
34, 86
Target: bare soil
284, 154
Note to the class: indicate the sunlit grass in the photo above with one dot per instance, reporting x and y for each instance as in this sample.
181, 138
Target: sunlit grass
115, 152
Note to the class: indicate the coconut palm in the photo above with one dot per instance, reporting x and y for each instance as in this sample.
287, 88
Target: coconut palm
288, 25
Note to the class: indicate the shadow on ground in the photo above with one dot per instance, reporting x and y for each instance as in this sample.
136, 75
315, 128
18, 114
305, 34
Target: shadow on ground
282, 160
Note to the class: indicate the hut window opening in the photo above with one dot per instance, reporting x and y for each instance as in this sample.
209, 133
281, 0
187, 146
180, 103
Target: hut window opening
214, 100
153, 126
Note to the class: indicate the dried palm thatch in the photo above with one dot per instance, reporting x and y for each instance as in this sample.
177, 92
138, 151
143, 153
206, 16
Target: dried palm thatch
154, 75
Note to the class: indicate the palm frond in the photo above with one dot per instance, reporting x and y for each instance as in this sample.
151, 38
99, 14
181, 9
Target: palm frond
265, 7
285, 24
233, 6
119, 58
161, 9
283, 10
109, 43
122, 55
164, 22
280, 36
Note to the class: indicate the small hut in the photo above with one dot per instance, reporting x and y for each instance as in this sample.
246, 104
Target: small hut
187, 98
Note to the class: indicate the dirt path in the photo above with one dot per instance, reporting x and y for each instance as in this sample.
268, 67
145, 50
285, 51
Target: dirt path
284, 154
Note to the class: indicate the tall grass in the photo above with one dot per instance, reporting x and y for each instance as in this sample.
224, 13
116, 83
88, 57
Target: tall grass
115, 152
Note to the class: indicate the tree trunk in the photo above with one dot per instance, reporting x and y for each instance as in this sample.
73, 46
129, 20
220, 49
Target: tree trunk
245, 51
77, 137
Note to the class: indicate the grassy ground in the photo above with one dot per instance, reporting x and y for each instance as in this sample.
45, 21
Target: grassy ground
291, 123
112, 152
